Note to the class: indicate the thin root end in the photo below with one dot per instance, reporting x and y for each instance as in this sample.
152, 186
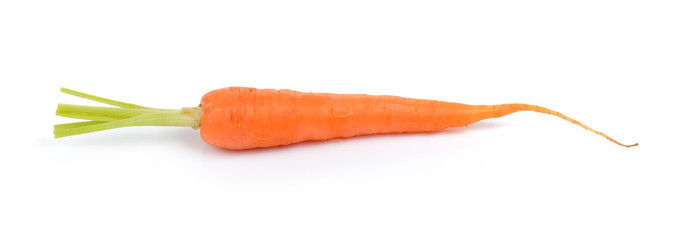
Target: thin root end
535, 108
632, 145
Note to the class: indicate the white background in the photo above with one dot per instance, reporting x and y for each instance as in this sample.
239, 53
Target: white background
618, 66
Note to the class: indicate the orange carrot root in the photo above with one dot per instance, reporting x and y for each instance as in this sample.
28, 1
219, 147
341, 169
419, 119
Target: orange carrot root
244, 118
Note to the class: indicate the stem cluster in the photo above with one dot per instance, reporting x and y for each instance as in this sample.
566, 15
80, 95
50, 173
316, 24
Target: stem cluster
122, 115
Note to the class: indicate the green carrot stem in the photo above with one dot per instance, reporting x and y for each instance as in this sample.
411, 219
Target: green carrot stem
125, 115
102, 100
66, 126
150, 119
99, 113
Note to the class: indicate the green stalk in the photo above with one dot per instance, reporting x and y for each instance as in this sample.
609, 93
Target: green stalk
99, 113
123, 115
66, 126
102, 100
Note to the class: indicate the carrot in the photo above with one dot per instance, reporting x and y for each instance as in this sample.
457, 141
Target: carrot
246, 118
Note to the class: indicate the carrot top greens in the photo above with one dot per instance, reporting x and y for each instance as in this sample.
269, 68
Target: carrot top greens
122, 115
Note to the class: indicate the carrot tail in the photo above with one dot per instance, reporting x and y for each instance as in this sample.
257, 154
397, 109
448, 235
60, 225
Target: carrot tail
505, 109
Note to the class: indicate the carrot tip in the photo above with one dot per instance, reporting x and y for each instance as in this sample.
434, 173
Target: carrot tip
528, 107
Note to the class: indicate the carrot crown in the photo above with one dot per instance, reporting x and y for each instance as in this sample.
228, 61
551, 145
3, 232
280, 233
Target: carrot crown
122, 115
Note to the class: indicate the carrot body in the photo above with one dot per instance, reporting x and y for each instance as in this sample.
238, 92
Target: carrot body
244, 118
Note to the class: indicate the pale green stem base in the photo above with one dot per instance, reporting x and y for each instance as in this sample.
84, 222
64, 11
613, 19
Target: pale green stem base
123, 115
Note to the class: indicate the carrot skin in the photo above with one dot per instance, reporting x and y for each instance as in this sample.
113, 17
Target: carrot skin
245, 118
